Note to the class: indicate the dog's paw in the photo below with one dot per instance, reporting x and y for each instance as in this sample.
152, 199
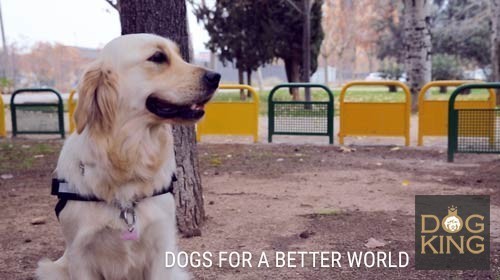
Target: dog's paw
180, 274
49, 270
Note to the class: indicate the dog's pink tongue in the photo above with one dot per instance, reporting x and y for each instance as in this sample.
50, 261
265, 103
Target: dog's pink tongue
130, 235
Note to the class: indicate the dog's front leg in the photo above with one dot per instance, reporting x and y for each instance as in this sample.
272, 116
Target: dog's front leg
158, 271
80, 265
159, 268
48, 270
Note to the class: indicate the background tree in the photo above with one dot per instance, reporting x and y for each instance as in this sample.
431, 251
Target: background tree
306, 48
168, 18
328, 44
495, 41
47, 65
350, 35
446, 67
392, 70
286, 24
417, 45
390, 30
252, 33
461, 28
236, 34
388, 43
343, 32
366, 35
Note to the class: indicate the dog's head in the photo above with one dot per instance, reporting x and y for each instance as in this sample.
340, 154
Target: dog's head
142, 75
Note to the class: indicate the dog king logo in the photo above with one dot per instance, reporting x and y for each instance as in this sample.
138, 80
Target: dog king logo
452, 232
452, 223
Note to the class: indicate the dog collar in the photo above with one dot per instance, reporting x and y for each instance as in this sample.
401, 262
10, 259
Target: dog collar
65, 193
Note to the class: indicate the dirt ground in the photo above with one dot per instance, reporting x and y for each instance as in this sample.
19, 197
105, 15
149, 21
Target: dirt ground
271, 197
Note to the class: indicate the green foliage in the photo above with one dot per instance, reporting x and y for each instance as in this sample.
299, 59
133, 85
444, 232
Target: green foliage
458, 27
251, 33
446, 67
390, 30
235, 33
286, 24
5, 85
391, 71
461, 28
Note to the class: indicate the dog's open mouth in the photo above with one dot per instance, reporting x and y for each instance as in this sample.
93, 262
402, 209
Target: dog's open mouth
166, 110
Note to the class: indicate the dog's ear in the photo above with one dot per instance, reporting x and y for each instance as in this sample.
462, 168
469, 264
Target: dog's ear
97, 100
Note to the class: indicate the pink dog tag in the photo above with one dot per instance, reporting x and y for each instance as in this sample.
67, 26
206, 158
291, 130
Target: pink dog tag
129, 217
130, 235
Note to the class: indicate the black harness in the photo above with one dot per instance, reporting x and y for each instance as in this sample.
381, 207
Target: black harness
60, 188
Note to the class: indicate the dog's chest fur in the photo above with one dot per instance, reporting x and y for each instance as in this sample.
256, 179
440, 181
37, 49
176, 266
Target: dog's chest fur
123, 165
118, 170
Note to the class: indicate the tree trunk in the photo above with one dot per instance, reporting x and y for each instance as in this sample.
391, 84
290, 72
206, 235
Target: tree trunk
443, 89
495, 42
325, 58
417, 45
5, 52
241, 81
292, 67
213, 60
260, 80
370, 62
168, 19
249, 81
392, 88
306, 47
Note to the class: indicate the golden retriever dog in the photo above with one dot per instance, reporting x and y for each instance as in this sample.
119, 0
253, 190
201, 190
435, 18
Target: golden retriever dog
122, 156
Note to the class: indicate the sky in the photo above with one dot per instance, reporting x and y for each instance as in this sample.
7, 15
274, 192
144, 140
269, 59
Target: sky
84, 23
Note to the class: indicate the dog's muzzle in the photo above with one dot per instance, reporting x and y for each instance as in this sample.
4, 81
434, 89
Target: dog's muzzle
194, 111
166, 110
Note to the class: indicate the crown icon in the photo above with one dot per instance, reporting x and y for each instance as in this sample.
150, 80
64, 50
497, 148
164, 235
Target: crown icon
452, 210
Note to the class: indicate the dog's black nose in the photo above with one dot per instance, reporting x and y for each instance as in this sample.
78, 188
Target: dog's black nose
211, 79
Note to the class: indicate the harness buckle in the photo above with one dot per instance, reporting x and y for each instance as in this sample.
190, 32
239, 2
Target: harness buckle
129, 217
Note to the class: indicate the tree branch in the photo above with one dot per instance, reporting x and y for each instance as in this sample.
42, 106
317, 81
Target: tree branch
111, 2
291, 3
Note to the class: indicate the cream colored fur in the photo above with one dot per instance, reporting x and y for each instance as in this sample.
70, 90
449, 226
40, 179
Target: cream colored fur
127, 152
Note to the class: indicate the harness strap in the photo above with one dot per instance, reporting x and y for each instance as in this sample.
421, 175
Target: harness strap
60, 188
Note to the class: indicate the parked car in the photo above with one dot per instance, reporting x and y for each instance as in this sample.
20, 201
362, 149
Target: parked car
375, 76
476, 74
403, 78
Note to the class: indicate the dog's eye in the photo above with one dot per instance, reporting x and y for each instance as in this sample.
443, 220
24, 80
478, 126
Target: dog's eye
158, 57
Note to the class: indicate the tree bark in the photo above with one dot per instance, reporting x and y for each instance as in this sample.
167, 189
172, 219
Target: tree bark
213, 60
249, 81
169, 19
260, 80
495, 42
325, 59
292, 67
306, 49
417, 45
241, 81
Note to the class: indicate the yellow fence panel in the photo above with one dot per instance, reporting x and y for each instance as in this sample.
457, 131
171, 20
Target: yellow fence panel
231, 118
71, 110
433, 114
375, 118
3, 130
